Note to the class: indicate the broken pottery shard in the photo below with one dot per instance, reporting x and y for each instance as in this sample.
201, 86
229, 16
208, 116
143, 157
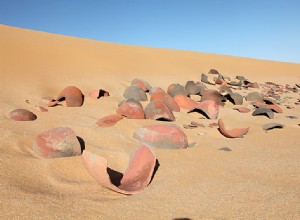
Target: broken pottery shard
189, 126
135, 92
192, 88
135, 179
72, 95
210, 94
158, 110
131, 109
235, 98
241, 78
271, 126
224, 89
254, 96
242, 109
234, 133
162, 136
185, 102
22, 115
160, 94
175, 89
224, 149
197, 124
41, 109
204, 78
57, 142
141, 83
109, 120
96, 94
264, 111
213, 71
209, 107
236, 83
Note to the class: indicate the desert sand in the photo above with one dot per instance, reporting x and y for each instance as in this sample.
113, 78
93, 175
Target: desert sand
258, 179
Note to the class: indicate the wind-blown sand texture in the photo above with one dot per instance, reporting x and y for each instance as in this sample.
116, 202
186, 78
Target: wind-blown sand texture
258, 179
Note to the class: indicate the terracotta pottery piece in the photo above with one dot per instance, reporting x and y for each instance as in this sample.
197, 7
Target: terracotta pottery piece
109, 120
263, 111
158, 110
135, 179
72, 95
96, 94
22, 115
254, 96
242, 109
162, 136
141, 83
175, 89
57, 142
204, 78
209, 107
235, 98
131, 109
166, 98
271, 126
236, 83
135, 92
185, 102
213, 71
192, 88
41, 109
234, 133
224, 89
210, 94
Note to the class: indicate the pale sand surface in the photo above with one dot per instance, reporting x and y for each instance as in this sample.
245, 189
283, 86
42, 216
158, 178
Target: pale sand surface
258, 179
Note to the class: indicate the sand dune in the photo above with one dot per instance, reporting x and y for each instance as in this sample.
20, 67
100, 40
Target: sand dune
258, 179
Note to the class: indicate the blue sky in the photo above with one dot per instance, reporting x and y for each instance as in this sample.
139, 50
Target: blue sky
263, 29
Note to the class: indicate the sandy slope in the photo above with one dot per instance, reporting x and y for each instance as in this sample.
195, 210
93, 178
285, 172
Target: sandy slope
258, 179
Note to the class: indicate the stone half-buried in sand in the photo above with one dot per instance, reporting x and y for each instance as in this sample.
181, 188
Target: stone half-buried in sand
135, 179
22, 115
234, 133
72, 95
109, 120
162, 136
57, 142
158, 110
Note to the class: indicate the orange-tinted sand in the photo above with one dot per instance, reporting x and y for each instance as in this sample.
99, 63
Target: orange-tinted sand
258, 179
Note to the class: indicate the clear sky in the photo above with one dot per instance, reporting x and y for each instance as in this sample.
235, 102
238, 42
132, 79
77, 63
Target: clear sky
263, 29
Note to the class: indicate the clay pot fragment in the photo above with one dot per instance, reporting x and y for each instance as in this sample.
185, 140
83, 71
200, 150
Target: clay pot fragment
57, 142
204, 78
136, 177
210, 94
235, 83
213, 71
209, 108
160, 94
254, 96
158, 110
135, 92
175, 89
109, 120
192, 88
185, 102
131, 109
22, 115
162, 136
225, 149
141, 83
242, 109
197, 124
234, 133
240, 78
263, 111
96, 94
235, 98
72, 95
41, 109
224, 89
271, 126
